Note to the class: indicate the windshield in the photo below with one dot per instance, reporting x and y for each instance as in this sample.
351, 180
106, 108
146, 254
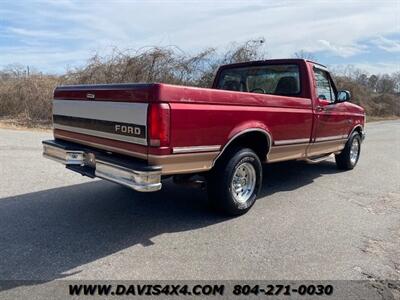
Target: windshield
267, 79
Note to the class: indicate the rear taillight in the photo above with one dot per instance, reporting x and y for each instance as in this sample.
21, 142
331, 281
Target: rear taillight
158, 124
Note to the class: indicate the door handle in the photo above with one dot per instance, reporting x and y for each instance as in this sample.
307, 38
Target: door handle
320, 108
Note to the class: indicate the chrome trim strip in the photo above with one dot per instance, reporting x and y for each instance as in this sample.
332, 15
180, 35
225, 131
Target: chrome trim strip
331, 138
124, 112
324, 147
196, 149
184, 162
293, 141
287, 152
129, 139
103, 147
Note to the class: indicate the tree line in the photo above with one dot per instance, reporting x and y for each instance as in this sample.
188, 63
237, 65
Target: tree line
25, 94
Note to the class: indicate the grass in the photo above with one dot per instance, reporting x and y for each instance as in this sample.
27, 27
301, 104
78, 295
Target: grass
371, 119
17, 124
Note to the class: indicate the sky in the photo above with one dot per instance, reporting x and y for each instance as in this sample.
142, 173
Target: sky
53, 36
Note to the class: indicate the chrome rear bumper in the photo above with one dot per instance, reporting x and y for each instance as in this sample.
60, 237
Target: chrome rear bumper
132, 173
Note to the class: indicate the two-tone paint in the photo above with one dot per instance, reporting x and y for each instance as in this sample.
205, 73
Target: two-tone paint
203, 122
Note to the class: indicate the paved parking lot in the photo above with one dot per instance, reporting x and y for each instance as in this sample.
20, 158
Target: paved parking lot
312, 222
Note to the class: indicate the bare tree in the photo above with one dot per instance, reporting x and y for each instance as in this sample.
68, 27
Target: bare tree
248, 51
372, 81
385, 84
304, 54
28, 98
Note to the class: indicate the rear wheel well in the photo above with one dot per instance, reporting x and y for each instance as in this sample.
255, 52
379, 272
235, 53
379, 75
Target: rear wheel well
254, 140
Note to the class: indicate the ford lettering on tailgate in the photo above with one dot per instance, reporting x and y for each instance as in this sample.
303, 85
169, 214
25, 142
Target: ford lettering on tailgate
120, 121
103, 126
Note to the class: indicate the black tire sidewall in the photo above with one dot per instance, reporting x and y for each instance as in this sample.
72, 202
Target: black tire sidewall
240, 157
354, 136
343, 159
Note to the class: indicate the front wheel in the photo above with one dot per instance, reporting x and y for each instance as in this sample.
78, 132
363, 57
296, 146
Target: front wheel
349, 156
235, 182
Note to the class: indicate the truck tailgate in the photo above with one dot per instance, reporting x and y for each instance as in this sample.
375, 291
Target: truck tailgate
112, 120
109, 117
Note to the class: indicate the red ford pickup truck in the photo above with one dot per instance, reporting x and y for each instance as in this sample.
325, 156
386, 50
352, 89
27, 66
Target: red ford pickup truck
256, 112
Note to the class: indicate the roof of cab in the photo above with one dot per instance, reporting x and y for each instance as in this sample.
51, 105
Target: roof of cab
270, 61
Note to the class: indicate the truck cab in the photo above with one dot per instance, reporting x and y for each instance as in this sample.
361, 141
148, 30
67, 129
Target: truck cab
323, 115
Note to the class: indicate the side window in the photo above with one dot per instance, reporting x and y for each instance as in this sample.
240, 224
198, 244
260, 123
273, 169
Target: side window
324, 86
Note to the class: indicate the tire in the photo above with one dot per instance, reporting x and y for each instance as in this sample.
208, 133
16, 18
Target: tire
348, 158
235, 182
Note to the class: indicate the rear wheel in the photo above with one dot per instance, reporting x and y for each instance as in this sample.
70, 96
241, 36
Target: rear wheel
234, 183
349, 156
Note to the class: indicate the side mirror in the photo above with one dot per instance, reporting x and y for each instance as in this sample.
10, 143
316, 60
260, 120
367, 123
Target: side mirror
343, 96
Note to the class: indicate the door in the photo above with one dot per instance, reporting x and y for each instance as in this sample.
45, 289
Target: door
330, 117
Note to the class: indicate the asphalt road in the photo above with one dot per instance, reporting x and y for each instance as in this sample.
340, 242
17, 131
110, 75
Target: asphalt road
312, 221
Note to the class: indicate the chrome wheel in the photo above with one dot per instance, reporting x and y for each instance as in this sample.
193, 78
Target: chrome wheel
354, 151
243, 182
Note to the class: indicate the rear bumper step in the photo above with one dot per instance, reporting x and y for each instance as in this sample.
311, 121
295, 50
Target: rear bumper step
133, 173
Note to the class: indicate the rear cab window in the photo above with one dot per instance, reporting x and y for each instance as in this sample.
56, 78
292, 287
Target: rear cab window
279, 79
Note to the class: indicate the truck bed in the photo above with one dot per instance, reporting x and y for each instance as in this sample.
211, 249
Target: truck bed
88, 114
